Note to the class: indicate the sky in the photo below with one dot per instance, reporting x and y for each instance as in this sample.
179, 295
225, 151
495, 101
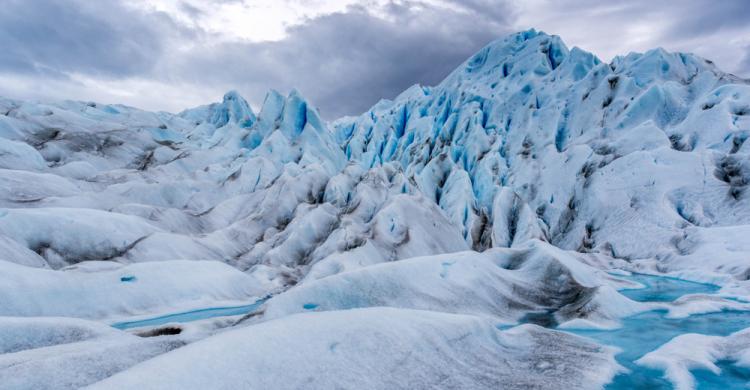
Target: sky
342, 55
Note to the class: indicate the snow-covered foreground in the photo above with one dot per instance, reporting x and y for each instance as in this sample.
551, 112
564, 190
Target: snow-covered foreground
379, 348
459, 236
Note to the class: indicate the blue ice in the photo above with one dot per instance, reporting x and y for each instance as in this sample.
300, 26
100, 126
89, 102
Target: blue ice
664, 289
732, 377
193, 315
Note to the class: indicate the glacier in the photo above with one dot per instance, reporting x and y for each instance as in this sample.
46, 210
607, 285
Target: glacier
515, 226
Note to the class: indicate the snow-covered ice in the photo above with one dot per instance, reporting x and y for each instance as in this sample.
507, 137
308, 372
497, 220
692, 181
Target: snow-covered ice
65, 353
694, 352
129, 290
378, 348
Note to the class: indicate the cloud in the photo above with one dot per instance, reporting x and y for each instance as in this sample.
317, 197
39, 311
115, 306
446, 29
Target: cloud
702, 17
745, 63
343, 62
171, 54
717, 30
54, 37
346, 61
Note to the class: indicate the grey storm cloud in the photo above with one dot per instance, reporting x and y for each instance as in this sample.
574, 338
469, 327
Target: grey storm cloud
683, 19
55, 37
342, 62
717, 30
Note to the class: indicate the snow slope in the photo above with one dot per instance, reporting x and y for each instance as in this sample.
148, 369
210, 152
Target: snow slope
112, 292
502, 284
65, 353
378, 348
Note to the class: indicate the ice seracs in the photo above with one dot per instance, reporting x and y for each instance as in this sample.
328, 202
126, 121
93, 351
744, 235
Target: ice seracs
572, 137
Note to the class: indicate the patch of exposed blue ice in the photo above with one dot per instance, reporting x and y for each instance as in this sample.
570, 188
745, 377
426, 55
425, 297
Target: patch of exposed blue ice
193, 315
664, 289
731, 377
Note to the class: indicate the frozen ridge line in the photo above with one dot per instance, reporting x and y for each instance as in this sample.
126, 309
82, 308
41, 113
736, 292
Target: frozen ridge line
439, 220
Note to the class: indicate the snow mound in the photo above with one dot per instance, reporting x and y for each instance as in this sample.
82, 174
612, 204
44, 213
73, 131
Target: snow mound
19, 333
695, 352
411, 350
134, 289
77, 364
503, 284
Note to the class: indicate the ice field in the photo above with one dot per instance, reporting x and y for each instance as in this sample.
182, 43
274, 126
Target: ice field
539, 219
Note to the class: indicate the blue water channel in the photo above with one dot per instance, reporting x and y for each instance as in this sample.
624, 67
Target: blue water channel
192, 315
645, 332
